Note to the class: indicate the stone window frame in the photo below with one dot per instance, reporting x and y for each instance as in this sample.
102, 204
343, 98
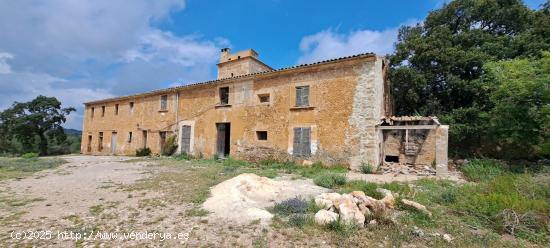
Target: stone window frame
163, 103
302, 96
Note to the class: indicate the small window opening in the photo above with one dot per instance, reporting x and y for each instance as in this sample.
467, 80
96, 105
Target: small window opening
102, 111
231, 74
100, 142
261, 135
129, 137
131, 107
116, 109
224, 95
393, 159
264, 97
302, 96
164, 102
92, 112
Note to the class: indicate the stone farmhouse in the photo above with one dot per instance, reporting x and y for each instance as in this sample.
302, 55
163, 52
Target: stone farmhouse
334, 111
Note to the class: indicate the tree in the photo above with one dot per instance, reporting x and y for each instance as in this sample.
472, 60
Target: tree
437, 65
520, 119
38, 119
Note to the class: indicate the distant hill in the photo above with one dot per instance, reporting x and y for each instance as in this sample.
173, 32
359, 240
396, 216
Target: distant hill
69, 131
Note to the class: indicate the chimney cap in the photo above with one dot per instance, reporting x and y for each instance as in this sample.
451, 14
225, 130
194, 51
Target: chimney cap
225, 49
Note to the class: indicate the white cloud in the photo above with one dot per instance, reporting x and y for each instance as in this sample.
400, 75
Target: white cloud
5, 68
80, 51
330, 43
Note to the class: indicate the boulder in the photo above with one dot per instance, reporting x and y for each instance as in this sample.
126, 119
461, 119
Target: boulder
416, 206
324, 217
344, 199
329, 196
323, 203
364, 209
350, 214
389, 199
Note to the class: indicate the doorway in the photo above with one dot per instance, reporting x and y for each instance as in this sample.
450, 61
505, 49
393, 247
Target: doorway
185, 139
113, 142
144, 139
162, 136
224, 139
89, 143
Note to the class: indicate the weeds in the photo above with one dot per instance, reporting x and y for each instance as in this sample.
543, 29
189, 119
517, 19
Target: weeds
21, 167
366, 168
330, 180
478, 170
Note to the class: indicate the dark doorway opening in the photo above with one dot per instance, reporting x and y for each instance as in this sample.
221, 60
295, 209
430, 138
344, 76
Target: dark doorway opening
89, 143
224, 139
162, 137
393, 159
144, 139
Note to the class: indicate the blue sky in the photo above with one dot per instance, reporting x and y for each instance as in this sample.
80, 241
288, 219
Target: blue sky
85, 50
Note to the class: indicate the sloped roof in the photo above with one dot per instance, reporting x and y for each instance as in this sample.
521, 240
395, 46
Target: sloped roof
362, 55
391, 119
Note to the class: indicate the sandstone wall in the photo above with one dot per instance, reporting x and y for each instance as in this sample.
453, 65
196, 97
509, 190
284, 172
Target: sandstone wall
346, 101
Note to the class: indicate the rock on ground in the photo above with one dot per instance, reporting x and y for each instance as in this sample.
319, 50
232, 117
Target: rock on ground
324, 217
243, 199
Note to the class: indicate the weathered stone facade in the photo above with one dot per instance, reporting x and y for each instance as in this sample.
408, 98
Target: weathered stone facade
346, 99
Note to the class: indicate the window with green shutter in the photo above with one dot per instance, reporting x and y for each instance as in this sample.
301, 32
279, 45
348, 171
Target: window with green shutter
302, 142
302, 96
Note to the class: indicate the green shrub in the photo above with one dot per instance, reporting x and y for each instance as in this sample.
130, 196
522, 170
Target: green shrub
143, 152
170, 146
30, 155
482, 169
330, 180
366, 168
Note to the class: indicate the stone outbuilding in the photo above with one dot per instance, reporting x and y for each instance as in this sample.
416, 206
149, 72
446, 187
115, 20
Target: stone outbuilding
332, 111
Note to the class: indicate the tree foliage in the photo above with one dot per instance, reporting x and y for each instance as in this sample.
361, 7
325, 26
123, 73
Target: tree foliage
33, 124
439, 65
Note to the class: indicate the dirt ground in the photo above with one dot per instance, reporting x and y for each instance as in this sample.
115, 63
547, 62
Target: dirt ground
74, 204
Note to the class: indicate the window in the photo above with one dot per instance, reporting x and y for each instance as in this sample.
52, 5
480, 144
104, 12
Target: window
129, 137
131, 107
92, 112
164, 102
102, 111
100, 142
301, 143
224, 95
302, 96
263, 98
116, 109
261, 135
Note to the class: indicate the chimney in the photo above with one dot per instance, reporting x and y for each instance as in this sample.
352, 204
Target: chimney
225, 54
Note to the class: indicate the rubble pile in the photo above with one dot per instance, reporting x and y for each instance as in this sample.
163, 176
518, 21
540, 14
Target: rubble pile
359, 209
406, 169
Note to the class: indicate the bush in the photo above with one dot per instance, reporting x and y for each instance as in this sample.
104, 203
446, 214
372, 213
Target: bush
143, 152
169, 146
330, 180
366, 168
30, 155
291, 206
482, 169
